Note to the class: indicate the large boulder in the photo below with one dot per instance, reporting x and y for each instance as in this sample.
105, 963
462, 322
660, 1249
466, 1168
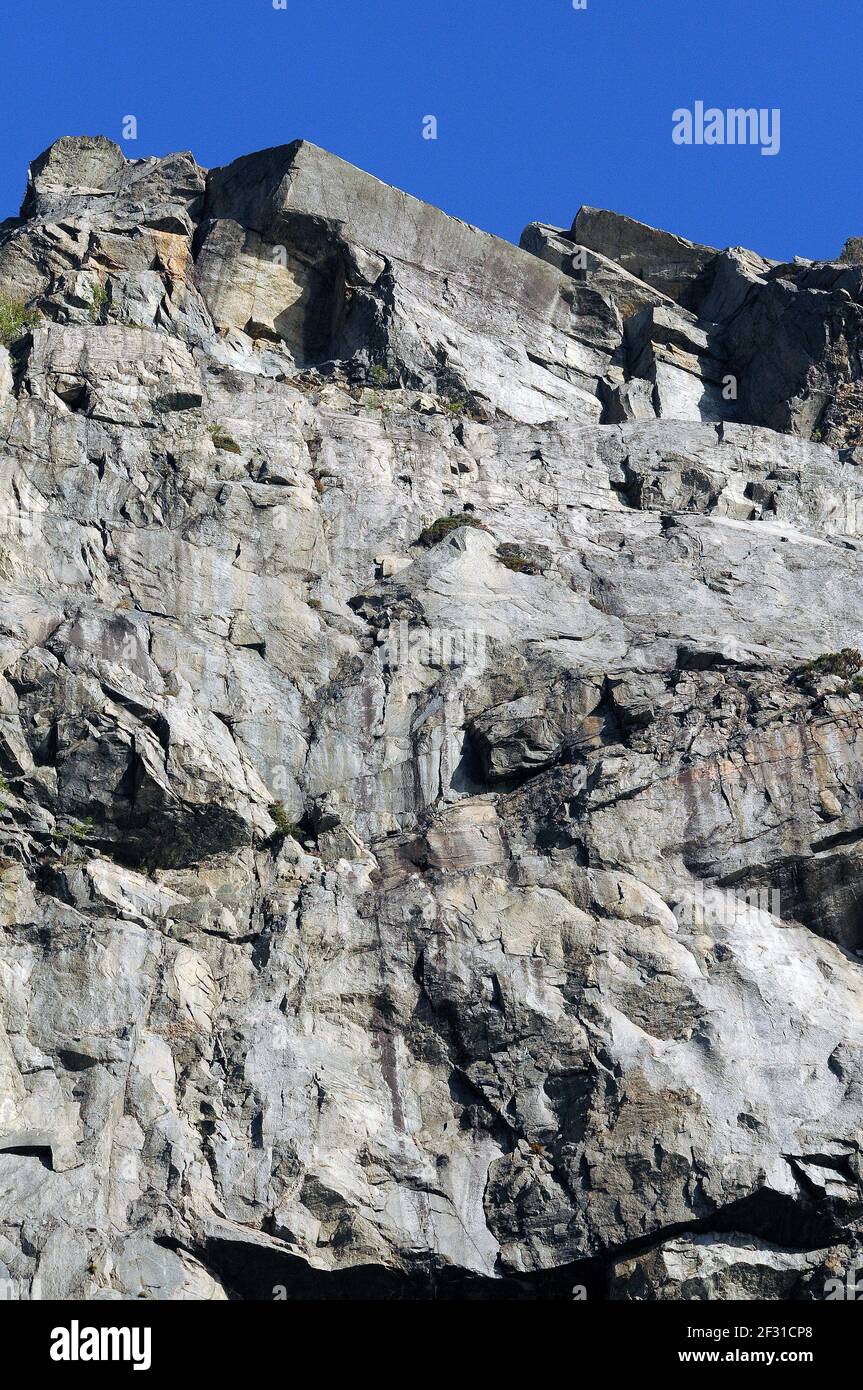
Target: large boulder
668, 262
299, 246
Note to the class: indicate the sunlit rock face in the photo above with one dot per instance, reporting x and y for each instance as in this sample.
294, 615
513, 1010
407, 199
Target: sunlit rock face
432, 747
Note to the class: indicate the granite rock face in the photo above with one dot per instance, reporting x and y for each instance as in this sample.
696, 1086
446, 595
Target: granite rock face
432, 748
723, 335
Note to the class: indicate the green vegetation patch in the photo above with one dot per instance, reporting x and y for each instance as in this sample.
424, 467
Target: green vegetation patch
844, 664
223, 440
440, 529
15, 320
520, 561
98, 303
285, 827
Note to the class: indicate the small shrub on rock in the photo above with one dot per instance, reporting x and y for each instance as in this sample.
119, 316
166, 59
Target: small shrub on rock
844, 664
223, 440
440, 529
15, 320
285, 827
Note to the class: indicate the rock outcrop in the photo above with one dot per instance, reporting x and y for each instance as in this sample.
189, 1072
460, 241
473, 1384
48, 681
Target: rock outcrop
431, 743
722, 335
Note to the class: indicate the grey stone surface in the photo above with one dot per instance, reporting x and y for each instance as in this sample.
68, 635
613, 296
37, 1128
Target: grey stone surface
372, 274
796, 341
557, 247
668, 262
430, 857
780, 345
710, 1268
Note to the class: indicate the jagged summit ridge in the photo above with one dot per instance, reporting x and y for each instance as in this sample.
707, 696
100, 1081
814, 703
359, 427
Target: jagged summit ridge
431, 750
296, 246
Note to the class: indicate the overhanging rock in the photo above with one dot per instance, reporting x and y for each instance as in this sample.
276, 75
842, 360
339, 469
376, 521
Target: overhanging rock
301, 246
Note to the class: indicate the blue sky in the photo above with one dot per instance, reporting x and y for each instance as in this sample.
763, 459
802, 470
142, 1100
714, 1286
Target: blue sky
540, 107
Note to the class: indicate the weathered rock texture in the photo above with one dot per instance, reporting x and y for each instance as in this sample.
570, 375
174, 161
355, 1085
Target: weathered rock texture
373, 912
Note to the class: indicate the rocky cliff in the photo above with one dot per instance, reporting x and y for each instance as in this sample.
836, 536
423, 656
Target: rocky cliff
432, 747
